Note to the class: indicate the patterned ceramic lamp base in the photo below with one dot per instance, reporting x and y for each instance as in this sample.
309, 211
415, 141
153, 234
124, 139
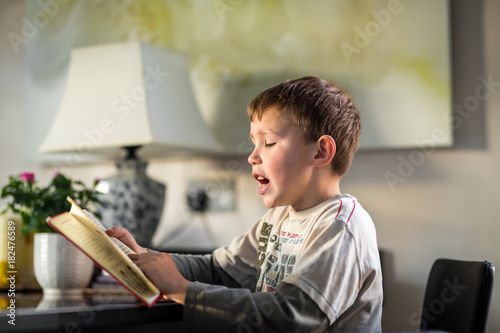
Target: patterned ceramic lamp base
132, 200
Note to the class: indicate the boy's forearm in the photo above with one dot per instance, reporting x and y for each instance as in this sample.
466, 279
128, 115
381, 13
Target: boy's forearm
211, 308
180, 296
198, 268
193, 267
202, 269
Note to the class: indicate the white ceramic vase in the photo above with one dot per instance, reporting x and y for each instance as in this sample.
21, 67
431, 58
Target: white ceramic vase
61, 269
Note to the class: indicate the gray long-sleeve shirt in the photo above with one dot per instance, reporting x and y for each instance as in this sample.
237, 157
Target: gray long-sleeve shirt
217, 303
316, 270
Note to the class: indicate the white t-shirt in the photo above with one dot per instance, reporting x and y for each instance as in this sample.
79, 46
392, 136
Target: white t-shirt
328, 251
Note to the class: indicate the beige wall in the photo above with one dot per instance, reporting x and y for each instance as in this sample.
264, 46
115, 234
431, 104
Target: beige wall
446, 202
449, 203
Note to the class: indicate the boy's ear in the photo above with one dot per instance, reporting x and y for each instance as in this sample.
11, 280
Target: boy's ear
325, 151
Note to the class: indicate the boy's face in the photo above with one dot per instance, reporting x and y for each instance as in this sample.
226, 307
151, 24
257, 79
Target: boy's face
281, 161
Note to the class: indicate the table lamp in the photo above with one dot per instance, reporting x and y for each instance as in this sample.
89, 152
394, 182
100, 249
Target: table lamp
129, 96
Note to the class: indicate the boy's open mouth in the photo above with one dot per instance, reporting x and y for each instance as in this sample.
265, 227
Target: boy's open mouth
264, 183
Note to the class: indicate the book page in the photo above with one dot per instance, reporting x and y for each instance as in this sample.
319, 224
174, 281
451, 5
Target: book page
89, 217
97, 245
125, 249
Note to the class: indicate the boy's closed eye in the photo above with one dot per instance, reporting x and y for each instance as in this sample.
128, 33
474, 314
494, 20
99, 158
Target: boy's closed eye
269, 144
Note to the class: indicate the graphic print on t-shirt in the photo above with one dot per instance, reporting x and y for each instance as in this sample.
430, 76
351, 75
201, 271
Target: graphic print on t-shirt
265, 232
279, 259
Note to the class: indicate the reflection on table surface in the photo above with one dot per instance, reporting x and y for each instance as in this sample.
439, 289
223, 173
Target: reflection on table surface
90, 311
29, 301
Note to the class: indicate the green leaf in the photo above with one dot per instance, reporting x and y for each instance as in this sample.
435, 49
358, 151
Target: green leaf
36, 203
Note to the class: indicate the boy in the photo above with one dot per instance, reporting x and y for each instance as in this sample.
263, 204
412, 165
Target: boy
311, 262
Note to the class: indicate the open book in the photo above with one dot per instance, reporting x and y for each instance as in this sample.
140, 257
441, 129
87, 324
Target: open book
86, 233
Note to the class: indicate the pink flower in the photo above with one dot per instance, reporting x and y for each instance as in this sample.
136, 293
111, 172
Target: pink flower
56, 174
28, 177
96, 181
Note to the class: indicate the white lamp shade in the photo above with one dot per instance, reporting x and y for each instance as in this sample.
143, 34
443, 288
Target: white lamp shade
128, 94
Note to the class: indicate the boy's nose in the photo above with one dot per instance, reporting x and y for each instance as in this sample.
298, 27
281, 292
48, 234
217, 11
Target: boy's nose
254, 158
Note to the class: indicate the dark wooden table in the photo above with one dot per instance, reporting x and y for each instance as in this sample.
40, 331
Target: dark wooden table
94, 312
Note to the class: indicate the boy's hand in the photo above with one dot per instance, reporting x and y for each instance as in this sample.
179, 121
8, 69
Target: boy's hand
161, 270
126, 238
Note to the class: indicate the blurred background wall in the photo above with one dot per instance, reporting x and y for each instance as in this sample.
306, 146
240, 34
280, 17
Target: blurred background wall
438, 202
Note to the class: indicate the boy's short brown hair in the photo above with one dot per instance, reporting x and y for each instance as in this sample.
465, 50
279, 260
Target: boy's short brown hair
319, 107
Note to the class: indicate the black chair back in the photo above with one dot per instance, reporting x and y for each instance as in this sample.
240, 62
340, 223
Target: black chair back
457, 296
